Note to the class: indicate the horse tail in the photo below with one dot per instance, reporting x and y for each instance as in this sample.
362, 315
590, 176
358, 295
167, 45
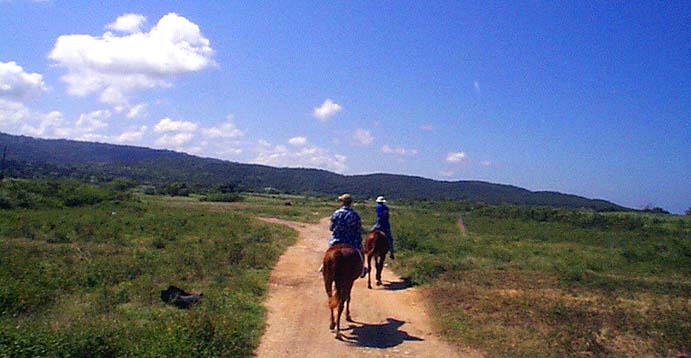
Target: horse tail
329, 277
343, 287
334, 299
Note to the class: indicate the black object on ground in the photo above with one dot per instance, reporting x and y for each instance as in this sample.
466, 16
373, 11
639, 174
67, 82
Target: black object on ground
179, 297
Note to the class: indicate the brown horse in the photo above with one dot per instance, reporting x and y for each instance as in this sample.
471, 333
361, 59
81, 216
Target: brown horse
342, 266
376, 245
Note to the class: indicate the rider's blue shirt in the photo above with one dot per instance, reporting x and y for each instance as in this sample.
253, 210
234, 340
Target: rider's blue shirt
383, 217
346, 228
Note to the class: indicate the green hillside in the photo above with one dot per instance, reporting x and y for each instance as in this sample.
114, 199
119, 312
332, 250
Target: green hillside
42, 158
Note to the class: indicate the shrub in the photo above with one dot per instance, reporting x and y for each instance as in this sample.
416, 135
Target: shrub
222, 197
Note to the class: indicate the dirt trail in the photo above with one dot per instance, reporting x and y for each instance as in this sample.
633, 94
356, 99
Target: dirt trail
390, 321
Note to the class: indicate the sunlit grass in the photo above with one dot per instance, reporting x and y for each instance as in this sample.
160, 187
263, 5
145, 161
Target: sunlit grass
553, 285
85, 281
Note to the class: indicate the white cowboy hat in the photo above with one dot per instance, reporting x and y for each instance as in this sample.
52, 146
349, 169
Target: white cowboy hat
380, 199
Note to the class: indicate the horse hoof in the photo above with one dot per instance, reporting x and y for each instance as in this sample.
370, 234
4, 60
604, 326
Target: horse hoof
332, 326
369, 286
349, 319
378, 283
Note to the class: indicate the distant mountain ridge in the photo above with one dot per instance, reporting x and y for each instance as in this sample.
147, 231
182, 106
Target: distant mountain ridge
46, 158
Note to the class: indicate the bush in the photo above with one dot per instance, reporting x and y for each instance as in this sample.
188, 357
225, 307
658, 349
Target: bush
222, 197
34, 194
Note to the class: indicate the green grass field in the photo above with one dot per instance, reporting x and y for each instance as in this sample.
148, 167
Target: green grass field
82, 268
85, 280
548, 282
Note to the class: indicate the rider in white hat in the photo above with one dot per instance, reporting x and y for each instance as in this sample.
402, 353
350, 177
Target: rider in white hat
383, 222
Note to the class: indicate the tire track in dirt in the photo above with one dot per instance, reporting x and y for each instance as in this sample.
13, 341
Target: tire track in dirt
390, 321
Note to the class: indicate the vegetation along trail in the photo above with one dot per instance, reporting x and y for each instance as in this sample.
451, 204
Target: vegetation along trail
389, 321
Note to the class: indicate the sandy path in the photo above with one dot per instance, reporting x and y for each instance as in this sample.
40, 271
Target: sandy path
390, 321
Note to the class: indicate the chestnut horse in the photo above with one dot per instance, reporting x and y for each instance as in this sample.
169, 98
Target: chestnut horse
376, 245
342, 266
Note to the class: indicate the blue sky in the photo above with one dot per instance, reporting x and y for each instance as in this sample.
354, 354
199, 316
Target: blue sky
592, 99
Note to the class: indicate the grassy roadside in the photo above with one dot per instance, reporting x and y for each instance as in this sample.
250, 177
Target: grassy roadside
84, 280
288, 207
547, 282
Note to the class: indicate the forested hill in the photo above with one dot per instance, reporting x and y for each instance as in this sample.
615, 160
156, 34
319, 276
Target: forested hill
42, 158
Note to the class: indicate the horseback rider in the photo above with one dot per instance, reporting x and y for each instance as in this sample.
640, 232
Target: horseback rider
382, 222
346, 227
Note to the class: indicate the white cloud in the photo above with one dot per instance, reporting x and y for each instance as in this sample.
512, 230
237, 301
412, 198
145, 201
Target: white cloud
166, 125
264, 143
90, 122
456, 157
304, 156
115, 66
298, 141
17, 85
11, 113
327, 110
17, 119
230, 152
225, 130
43, 124
128, 23
398, 150
174, 140
446, 173
133, 134
136, 110
363, 136
427, 128
486, 163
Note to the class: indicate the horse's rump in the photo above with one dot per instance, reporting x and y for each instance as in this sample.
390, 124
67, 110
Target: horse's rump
344, 261
376, 243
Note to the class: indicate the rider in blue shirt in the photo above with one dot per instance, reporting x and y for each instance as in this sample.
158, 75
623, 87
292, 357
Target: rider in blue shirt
346, 227
382, 222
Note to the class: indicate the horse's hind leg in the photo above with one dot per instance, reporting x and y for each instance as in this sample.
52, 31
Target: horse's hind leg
379, 262
369, 270
348, 318
338, 319
332, 325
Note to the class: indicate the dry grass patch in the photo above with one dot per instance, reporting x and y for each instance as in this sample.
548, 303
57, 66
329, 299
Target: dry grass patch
533, 314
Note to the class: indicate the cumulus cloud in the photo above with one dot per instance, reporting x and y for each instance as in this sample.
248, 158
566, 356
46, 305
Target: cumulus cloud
17, 85
50, 124
136, 110
297, 141
398, 150
128, 23
363, 136
167, 125
93, 121
456, 157
224, 130
305, 156
175, 140
132, 134
11, 113
264, 143
114, 66
327, 110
